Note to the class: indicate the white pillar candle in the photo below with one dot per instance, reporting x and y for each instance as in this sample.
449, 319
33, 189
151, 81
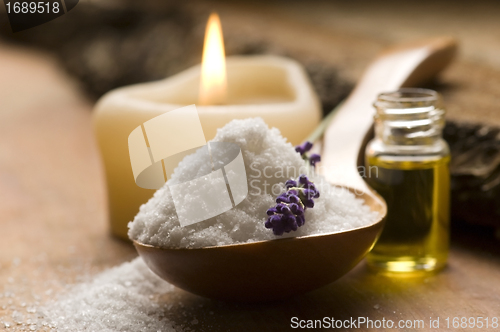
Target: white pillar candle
274, 88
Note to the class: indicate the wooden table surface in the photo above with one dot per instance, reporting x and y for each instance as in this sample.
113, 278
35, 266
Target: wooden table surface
53, 209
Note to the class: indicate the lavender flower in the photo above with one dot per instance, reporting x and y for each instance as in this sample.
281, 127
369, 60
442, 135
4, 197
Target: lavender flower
288, 214
314, 158
305, 147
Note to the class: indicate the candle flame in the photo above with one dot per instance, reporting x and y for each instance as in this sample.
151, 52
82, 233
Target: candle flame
213, 84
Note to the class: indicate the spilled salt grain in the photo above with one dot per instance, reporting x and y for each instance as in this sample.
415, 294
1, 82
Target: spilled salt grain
106, 303
269, 161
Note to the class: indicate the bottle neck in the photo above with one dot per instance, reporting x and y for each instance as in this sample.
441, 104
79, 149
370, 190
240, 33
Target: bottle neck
412, 117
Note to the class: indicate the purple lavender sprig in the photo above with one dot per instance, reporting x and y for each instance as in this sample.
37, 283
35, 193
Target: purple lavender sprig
288, 214
305, 147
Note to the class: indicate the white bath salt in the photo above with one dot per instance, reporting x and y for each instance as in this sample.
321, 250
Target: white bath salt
269, 161
118, 299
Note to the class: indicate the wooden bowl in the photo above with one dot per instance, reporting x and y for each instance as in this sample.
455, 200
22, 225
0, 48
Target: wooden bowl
266, 270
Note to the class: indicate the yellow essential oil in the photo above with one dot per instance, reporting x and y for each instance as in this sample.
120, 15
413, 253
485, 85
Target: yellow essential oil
416, 231
408, 162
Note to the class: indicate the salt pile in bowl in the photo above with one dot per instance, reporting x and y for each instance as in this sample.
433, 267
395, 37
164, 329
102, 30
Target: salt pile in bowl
269, 161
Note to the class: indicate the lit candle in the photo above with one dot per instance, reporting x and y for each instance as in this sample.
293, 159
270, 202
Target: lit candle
274, 88
213, 81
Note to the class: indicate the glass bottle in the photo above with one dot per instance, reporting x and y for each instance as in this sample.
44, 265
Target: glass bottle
408, 159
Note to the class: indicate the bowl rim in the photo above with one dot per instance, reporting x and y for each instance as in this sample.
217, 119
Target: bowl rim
370, 192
